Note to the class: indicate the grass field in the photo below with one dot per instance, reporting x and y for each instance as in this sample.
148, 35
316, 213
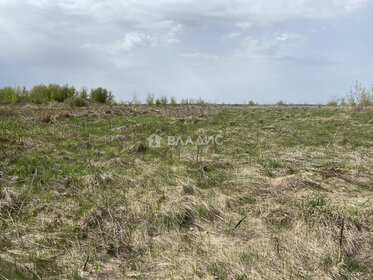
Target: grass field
288, 195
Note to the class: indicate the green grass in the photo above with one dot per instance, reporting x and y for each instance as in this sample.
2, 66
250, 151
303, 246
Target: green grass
79, 182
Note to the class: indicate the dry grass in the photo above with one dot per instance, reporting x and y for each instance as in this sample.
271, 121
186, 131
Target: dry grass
82, 196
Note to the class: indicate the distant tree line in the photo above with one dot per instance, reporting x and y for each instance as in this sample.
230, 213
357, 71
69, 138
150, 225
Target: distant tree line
40, 94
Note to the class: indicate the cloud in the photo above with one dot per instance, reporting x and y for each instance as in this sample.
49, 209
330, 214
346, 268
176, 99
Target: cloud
244, 25
121, 44
133, 40
270, 46
173, 32
267, 10
288, 36
129, 42
231, 35
199, 56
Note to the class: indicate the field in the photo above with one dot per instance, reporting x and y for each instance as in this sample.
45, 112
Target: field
287, 195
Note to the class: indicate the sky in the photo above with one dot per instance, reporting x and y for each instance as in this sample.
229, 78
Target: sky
298, 51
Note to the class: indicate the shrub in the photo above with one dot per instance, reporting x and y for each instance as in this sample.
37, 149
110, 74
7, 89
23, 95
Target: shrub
101, 95
200, 101
64, 92
54, 89
251, 103
164, 100
364, 98
83, 93
187, 101
157, 102
134, 99
280, 103
358, 97
150, 99
334, 101
173, 101
76, 101
40, 94
8, 95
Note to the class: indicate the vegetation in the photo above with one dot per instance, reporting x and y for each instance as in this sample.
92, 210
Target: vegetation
173, 101
164, 100
150, 100
101, 95
192, 101
41, 94
76, 101
358, 97
11, 95
286, 196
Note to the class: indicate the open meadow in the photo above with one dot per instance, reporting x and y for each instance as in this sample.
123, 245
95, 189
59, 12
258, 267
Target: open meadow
286, 193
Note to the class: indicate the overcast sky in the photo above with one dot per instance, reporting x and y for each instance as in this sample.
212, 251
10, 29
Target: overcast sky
300, 51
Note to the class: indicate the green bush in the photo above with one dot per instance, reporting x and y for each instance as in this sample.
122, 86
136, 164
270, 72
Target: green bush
164, 100
40, 94
83, 93
101, 95
200, 101
76, 101
280, 103
64, 92
8, 95
187, 101
173, 101
150, 99
357, 97
54, 89
334, 101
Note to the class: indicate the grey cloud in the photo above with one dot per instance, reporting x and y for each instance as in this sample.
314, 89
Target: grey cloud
171, 46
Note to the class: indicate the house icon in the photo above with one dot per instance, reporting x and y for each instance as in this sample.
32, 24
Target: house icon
154, 141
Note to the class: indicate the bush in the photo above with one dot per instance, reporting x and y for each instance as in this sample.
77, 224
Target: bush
187, 101
200, 101
334, 101
357, 97
83, 93
164, 100
54, 89
76, 101
150, 99
40, 94
280, 103
173, 101
64, 92
8, 95
251, 103
101, 95
134, 99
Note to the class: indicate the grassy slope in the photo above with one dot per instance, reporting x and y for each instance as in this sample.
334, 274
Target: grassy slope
76, 188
